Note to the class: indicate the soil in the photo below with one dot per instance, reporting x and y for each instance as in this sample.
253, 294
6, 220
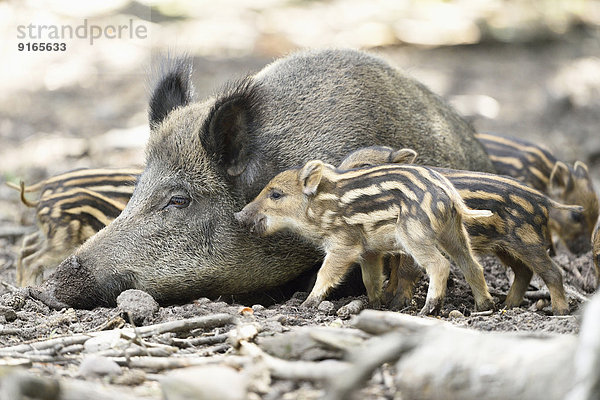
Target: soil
510, 89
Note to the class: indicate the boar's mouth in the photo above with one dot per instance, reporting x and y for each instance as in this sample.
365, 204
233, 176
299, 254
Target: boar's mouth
72, 284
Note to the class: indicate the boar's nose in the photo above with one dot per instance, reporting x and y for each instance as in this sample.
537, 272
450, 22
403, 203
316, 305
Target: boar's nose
72, 283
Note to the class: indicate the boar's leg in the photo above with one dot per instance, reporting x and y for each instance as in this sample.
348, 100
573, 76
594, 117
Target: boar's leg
372, 275
336, 264
523, 275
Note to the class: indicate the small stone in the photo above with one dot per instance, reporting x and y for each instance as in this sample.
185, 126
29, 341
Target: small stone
105, 341
132, 377
137, 305
541, 304
15, 300
94, 366
202, 301
337, 323
350, 309
454, 314
326, 307
258, 307
243, 332
203, 383
246, 311
8, 313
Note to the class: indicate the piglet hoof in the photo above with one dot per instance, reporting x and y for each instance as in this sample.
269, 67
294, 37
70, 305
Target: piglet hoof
431, 308
560, 311
510, 303
375, 304
399, 302
486, 305
311, 302
387, 298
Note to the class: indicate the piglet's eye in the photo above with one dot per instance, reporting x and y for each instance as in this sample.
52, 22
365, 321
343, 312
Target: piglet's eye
178, 202
577, 217
275, 195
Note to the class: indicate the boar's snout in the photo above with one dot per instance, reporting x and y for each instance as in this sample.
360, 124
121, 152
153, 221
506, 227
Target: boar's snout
74, 284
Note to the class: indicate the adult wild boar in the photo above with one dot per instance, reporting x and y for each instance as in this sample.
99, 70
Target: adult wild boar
177, 238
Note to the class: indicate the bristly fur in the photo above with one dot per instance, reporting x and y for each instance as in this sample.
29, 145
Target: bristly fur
171, 87
237, 98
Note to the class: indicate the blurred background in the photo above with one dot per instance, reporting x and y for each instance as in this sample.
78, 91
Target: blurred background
528, 68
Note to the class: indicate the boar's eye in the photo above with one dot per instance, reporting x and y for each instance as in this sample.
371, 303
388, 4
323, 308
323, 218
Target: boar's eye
276, 195
178, 202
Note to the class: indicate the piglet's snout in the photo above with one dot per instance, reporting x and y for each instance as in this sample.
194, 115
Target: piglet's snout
246, 216
250, 219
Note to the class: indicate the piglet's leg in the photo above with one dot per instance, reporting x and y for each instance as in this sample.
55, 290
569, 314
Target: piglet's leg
407, 274
335, 266
372, 275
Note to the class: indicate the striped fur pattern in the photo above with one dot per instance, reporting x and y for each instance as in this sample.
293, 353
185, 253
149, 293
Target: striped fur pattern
360, 215
71, 208
517, 233
596, 251
537, 167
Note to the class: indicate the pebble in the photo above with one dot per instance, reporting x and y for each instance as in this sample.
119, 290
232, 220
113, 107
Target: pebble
137, 305
540, 304
456, 314
94, 366
350, 309
106, 340
204, 383
326, 307
8, 313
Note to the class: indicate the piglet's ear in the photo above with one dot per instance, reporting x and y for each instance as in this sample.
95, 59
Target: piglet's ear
560, 177
403, 156
310, 177
581, 170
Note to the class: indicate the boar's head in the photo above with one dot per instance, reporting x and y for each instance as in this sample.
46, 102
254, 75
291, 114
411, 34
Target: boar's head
177, 238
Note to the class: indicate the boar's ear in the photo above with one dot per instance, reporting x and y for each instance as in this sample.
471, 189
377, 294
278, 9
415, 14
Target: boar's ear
560, 178
172, 88
403, 156
310, 177
225, 133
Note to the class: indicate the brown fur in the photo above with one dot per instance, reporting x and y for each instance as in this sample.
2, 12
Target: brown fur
358, 216
71, 208
537, 167
218, 153
596, 251
518, 231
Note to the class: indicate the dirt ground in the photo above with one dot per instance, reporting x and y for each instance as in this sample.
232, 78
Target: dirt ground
545, 91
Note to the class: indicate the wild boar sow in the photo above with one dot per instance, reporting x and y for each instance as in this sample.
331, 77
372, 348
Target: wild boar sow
177, 238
